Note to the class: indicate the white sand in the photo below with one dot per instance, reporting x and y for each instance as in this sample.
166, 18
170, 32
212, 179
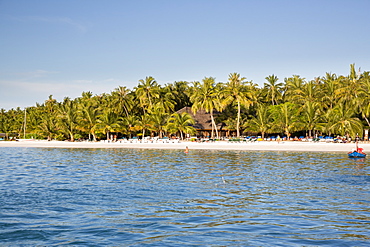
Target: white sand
263, 145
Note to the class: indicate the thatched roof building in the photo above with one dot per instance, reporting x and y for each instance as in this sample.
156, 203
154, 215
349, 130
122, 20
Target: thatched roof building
203, 122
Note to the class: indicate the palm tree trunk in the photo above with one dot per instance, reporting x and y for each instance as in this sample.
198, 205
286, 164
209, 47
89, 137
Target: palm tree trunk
126, 111
94, 137
238, 122
212, 124
217, 135
287, 133
214, 127
367, 120
150, 100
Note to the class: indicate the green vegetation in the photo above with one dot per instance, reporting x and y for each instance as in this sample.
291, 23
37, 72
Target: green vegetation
328, 105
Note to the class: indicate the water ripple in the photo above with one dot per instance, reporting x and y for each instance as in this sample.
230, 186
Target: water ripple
113, 197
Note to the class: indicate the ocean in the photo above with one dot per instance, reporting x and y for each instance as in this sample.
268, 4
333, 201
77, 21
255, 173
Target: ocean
143, 197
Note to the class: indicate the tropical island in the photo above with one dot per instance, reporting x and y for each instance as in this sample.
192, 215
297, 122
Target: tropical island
331, 105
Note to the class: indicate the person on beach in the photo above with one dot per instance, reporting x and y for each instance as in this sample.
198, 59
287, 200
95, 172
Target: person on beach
278, 139
186, 150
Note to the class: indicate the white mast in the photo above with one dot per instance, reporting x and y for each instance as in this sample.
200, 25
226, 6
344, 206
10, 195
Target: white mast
25, 123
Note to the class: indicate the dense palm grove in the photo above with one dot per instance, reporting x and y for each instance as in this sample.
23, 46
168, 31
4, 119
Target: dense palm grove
328, 105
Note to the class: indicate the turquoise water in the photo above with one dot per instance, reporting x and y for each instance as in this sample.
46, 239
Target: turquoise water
127, 197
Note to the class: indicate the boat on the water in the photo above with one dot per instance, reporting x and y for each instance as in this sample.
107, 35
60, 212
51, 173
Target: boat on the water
357, 153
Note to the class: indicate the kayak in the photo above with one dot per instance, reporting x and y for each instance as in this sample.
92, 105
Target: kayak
356, 154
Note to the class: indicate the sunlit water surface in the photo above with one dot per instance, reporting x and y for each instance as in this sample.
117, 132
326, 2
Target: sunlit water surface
128, 197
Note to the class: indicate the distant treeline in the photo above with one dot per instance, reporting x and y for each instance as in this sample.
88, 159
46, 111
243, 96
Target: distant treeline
328, 105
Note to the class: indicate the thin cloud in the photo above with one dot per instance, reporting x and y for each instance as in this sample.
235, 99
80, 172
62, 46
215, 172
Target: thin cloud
59, 20
73, 23
72, 88
39, 73
29, 76
33, 89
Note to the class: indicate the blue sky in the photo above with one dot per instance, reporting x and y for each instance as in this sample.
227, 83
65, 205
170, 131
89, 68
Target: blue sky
62, 48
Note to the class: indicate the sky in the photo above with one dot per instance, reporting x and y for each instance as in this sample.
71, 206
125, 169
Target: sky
64, 48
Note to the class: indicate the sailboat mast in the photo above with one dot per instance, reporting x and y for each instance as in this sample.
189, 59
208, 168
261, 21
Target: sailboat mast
25, 123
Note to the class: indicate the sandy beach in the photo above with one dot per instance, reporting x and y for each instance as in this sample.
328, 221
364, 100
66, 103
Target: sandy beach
221, 145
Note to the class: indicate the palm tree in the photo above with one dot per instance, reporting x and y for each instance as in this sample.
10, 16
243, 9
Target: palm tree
311, 116
273, 88
123, 100
179, 90
344, 121
308, 92
206, 96
262, 122
16, 118
236, 91
108, 122
69, 117
181, 123
146, 92
89, 112
47, 126
47, 115
131, 123
364, 97
293, 87
285, 118
144, 123
34, 119
350, 87
166, 100
329, 90
159, 120
51, 104
230, 125
6, 123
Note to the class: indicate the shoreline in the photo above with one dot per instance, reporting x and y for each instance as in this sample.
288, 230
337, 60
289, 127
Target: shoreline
221, 145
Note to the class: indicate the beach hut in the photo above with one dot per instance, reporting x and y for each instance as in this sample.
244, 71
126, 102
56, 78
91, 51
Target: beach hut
203, 123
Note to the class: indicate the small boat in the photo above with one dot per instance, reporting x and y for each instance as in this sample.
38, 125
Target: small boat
357, 153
